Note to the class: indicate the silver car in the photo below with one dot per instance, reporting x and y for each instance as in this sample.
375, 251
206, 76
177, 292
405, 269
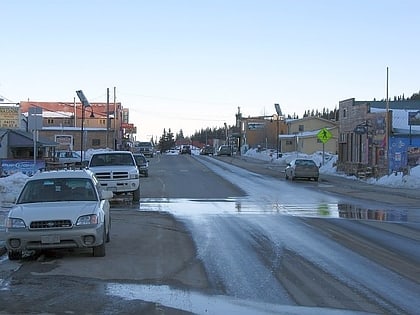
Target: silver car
302, 168
59, 209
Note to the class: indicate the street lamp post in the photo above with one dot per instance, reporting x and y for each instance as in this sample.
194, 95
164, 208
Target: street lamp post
279, 113
85, 104
277, 139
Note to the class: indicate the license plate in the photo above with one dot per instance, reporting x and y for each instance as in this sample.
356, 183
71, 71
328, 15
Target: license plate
50, 239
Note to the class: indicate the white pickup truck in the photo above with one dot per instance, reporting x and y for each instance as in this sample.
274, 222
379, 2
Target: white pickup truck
116, 171
67, 157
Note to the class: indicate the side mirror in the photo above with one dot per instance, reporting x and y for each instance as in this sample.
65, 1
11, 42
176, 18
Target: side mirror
106, 194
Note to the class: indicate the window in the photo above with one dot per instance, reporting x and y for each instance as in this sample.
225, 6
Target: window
289, 142
301, 128
344, 113
96, 142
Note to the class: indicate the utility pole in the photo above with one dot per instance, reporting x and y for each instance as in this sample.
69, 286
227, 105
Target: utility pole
279, 113
115, 119
107, 117
387, 123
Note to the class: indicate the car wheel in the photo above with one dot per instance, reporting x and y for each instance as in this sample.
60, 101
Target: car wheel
99, 251
136, 194
287, 177
316, 179
14, 255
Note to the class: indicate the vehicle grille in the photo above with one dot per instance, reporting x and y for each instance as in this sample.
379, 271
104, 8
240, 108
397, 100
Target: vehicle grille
112, 175
51, 224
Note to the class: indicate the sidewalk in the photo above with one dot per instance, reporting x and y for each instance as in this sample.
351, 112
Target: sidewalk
364, 186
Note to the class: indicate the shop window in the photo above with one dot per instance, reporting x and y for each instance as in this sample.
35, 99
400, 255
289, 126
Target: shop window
96, 142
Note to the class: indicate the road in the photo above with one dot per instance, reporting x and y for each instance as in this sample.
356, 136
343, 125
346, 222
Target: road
212, 238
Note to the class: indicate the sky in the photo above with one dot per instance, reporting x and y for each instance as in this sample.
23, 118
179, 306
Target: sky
188, 65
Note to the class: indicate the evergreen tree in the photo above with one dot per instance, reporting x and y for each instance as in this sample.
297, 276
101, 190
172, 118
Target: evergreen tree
415, 96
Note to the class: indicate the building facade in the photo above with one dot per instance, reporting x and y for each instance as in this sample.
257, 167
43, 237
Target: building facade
302, 135
376, 137
99, 125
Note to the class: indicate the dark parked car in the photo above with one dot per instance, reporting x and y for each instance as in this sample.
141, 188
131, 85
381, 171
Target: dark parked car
145, 148
302, 168
207, 150
142, 164
186, 149
224, 150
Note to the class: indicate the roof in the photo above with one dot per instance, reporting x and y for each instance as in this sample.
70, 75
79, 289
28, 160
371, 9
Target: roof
306, 134
62, 128
21, 138
113, 152
64, 173
295, 120
398, 104
67, 109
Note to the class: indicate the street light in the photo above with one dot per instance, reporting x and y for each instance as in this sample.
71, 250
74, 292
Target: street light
85, 103
279, 113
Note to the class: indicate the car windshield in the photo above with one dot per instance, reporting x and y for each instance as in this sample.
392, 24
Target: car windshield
142, 144
60, 189
305, 163
111, 159
140, 159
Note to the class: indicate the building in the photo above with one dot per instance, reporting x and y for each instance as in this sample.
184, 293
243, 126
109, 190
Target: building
377, 137
262, 131
302, 135
100, 125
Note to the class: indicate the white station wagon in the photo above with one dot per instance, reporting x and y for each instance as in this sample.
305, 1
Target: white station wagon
59, 209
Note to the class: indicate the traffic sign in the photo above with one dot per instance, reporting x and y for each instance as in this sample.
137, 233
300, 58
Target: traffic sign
324, 135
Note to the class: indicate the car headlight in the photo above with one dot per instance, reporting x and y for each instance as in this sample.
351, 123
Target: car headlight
88, 219
134, 176
15, 223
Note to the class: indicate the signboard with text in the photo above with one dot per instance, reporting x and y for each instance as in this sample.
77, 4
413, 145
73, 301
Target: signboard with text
27, 167
9, 117
414, 118
255, 125
65, 142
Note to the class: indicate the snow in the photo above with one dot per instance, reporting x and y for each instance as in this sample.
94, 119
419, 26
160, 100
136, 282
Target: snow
10, 186
328, 161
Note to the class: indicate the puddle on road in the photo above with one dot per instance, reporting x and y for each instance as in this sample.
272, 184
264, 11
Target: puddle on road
197, 207
236, 206
200, 303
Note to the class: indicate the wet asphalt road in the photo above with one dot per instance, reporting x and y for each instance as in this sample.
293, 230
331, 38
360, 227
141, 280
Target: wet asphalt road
185, 239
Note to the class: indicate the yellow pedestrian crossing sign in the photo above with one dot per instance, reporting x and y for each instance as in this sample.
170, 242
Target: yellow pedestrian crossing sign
324, 135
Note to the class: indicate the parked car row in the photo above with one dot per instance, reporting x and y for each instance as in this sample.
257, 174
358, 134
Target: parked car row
70, 208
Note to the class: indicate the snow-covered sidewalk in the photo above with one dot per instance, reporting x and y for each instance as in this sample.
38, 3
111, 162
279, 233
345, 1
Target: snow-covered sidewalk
328, 161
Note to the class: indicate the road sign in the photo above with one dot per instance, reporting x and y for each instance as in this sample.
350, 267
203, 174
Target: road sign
324, 135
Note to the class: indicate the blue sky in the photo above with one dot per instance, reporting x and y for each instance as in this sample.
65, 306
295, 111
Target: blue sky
190, 64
